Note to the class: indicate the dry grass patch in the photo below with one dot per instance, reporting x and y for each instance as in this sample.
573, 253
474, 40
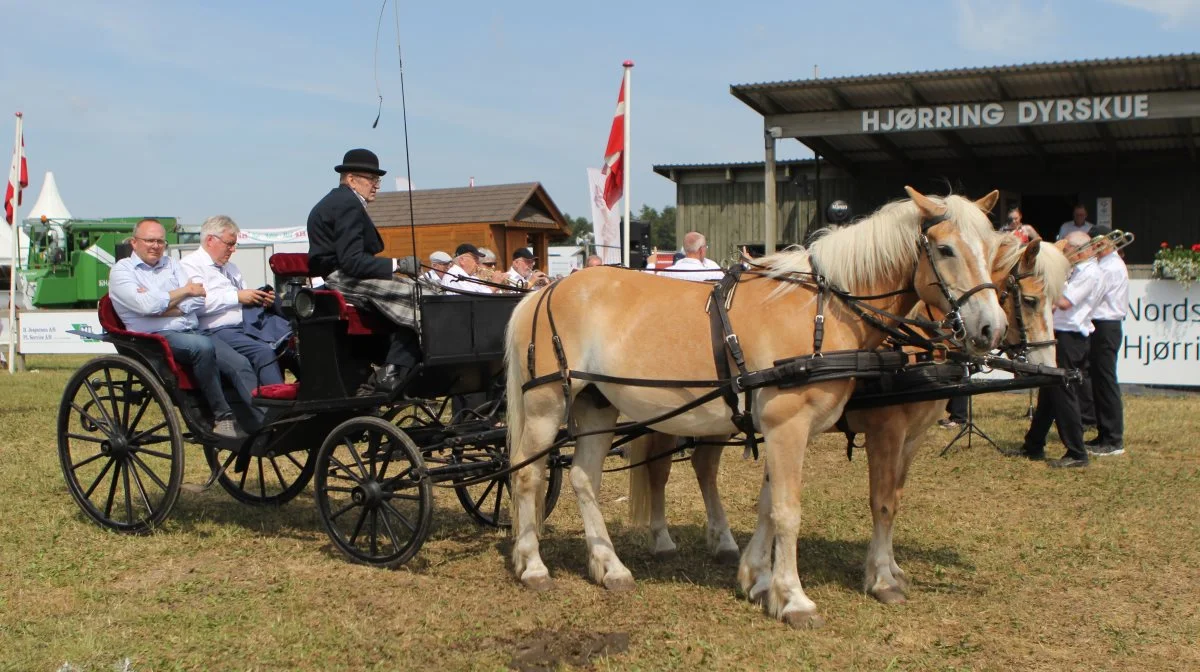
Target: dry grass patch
1014, 566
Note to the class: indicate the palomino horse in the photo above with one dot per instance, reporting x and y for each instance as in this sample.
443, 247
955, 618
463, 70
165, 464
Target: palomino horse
601, 322
892, 432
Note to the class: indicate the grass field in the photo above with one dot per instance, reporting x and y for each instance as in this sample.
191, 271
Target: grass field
1015, 566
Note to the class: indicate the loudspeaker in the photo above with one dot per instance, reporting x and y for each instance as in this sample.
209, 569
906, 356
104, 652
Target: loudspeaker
639, 243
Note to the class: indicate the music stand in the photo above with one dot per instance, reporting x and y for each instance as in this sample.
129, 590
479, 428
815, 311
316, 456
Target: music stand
968, 430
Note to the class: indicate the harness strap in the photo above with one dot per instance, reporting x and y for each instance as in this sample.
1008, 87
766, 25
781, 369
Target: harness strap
725, 340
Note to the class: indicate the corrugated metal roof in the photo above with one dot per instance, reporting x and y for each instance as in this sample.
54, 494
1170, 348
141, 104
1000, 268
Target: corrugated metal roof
1063, 79
514, 205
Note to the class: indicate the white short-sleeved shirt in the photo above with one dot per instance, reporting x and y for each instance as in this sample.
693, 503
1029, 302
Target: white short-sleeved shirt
1083, 291
1114, 288
694, 270
460, 281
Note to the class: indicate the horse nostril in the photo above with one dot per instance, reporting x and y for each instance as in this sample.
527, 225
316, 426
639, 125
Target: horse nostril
986, 332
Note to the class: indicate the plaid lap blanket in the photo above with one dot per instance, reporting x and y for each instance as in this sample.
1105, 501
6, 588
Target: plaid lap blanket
394, 298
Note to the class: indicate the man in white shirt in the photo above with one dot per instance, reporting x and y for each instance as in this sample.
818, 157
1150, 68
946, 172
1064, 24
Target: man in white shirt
226, 293
522, 273
1059, 404
460, 278
1104, 344
151, 294
440, 261
694, 265
1078, 223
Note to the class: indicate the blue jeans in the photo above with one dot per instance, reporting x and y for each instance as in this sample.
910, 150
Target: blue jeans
211, 360
260, 355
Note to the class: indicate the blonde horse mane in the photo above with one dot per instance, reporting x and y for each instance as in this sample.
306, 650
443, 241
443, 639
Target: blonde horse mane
878, 247
1052, 266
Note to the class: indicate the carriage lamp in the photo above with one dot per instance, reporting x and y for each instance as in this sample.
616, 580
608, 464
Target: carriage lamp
304, 304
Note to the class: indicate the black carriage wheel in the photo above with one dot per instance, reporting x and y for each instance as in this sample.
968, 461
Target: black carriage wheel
120, 445
269, 480
373, 494
487, 503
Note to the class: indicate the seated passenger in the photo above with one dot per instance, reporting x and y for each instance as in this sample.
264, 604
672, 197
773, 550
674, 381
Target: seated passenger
439, 263
523, 274
151, 293
461, 276
694, 265
342, 244
226, 293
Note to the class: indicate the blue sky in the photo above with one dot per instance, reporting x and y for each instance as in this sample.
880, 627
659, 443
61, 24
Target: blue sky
190, 109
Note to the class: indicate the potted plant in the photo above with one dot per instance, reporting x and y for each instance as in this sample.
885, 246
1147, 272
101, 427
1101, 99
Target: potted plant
1179, 263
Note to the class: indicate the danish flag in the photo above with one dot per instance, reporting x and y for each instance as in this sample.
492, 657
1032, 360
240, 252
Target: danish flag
18, 175
614, 169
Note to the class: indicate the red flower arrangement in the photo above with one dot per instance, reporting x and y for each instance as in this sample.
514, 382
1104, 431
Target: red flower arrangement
1178, 263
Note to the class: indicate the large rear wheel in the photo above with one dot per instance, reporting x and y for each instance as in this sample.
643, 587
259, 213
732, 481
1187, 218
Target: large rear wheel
120, 445
373, 494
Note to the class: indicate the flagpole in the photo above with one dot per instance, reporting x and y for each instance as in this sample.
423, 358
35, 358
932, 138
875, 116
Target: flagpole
625, 167
12, 269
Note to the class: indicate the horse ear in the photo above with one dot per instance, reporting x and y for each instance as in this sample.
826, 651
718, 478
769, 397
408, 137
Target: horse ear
925, 204
1029, 258
1006, 253
988, 202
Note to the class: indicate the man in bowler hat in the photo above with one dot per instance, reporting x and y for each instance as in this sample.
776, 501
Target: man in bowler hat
342, 248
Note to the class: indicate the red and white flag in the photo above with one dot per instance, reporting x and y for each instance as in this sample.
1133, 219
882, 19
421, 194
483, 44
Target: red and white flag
614, 169
18, 175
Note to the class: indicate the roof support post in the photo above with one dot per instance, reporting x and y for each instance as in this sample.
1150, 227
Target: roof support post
772, 208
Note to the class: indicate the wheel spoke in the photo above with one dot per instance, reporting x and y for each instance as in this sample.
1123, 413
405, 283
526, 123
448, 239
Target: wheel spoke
155, 453
357, 459
140, 412
294, 461
339, 512
150, 472
362, 518
112, 395
92, 488
375, 532
349, 473
128, 494
387, 505
84, 437
373, 451
390, 532
141, 489
152, 439
136, 438
112, 491
89, 460
128, 385
245, 473
499, 502
331, 488
262, 482
478, 504
108, 422
278, 474
387, 461
397, 495
98, 423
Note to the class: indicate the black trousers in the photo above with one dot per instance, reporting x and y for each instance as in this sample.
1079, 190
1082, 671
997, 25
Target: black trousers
1104, 343
404, 350
957, 408
1059, 404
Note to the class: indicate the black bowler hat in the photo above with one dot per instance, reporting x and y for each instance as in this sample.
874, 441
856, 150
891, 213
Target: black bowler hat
523, 253
467, 248
360, 161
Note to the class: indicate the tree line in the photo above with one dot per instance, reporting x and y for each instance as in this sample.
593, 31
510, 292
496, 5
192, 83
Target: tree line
662, 227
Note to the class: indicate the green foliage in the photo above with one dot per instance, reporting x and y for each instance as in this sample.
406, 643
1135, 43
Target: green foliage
579, 226
662, 226
1179, 262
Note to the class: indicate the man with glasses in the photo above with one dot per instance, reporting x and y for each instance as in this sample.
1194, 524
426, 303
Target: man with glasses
152, 294
522, 274
342, 244
226, 294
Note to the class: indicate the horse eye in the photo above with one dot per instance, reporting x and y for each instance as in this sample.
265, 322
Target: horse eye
945, 250
1031, 301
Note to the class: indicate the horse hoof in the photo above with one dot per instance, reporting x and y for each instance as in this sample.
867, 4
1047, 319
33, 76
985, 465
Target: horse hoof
803, 620
539, 583
890, 595
619, 584
728, 557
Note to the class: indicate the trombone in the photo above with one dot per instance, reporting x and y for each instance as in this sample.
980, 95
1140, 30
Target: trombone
1112, 241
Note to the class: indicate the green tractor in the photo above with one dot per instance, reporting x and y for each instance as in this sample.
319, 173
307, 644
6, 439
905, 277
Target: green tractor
69, 260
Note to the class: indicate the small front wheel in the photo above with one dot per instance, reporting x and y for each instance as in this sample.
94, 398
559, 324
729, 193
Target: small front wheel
373, 494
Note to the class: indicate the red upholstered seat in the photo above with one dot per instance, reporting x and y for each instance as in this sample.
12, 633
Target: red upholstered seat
283, 391
111, 322
290, 264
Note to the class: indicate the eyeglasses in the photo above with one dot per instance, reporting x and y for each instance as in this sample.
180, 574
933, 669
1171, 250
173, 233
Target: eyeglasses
153, 242
226, 243
489, 263
370, 178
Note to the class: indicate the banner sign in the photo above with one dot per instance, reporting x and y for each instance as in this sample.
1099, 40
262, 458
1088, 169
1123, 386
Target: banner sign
1161, 343
291, 234
45, 332
606, 223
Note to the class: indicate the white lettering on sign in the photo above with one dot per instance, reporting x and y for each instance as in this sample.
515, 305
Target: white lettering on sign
976, 115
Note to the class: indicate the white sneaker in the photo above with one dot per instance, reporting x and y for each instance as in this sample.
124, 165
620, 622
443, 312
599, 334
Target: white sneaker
225, 428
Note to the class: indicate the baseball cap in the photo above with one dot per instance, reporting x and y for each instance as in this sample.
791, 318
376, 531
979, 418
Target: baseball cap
523, 253
440, 257
467, 248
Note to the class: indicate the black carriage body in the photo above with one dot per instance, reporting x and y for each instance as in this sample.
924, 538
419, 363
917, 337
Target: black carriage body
462, 338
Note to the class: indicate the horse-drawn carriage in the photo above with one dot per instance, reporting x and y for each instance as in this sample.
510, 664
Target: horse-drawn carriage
375, 459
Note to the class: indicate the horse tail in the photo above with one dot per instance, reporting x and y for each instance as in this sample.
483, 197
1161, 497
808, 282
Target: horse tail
515, 368
636, 452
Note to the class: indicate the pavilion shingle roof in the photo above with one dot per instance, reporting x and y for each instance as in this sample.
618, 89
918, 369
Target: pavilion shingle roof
523, 205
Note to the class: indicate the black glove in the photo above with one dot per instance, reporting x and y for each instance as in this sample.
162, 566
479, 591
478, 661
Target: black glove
409, 266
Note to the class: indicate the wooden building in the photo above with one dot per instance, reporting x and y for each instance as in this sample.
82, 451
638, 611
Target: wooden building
1120, 136
500, 217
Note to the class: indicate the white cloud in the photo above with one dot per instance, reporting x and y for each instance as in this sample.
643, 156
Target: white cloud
1174, 13
1006, 27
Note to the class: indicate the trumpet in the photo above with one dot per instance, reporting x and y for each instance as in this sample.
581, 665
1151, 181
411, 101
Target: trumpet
1112, 241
